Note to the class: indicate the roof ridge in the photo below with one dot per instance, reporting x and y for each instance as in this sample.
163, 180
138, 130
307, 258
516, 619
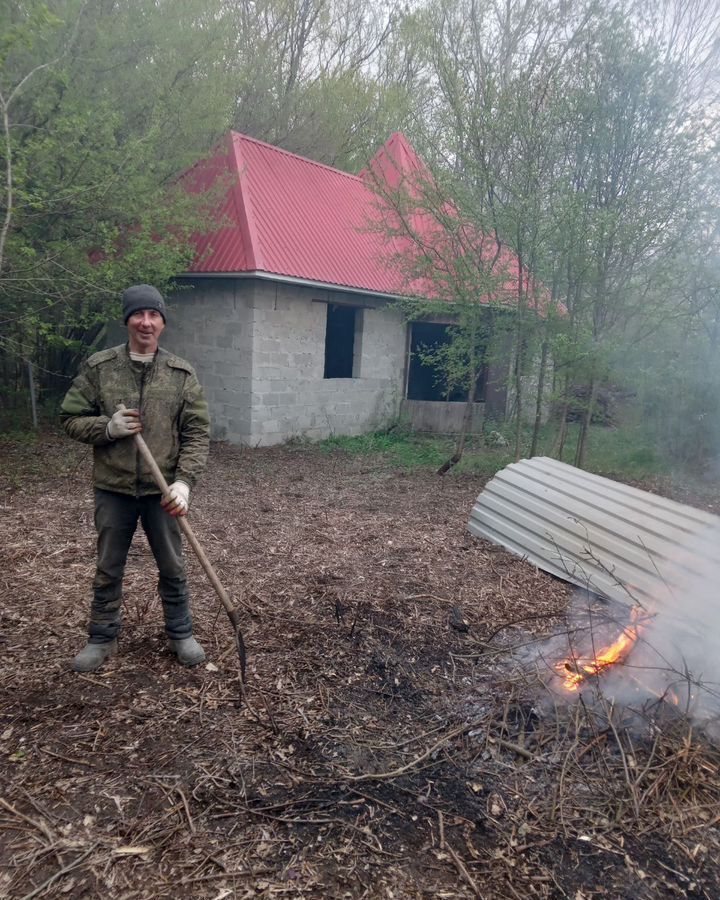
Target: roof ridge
306, 159
244, 207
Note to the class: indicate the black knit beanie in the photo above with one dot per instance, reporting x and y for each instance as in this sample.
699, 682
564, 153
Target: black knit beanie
142, 296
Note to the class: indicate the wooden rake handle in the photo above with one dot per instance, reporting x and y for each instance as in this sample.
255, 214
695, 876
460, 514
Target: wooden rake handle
160, 481
186, 529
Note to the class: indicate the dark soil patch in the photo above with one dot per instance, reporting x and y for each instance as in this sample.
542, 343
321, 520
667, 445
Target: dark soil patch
410, 758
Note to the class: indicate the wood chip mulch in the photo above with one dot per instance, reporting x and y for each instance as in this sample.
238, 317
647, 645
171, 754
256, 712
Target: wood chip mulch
397, 745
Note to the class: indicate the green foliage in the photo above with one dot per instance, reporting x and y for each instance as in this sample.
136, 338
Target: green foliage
404, 449
18, 433
105, 104
313, 77
622, 452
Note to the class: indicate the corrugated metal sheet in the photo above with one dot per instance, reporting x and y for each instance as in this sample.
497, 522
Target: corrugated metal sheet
620, 542
312, 221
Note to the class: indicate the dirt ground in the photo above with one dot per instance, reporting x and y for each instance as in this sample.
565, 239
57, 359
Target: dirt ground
394, 747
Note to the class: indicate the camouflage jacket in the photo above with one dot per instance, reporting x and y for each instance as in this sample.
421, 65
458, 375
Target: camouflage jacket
173, 412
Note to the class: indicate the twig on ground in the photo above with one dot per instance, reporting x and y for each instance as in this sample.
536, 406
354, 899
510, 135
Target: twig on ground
395, 773
64, 871
39, 826
462, 869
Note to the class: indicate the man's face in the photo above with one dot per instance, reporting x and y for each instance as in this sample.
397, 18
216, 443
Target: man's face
144, 328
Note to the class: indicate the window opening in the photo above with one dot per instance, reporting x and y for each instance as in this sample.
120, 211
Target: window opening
424, 381
340, 341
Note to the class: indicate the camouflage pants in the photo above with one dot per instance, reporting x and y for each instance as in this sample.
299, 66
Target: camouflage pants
116, 518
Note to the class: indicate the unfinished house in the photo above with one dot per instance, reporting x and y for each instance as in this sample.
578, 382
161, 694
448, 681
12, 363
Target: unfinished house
287, 311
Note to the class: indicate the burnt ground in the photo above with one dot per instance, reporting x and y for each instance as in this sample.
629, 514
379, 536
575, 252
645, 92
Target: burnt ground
388, 751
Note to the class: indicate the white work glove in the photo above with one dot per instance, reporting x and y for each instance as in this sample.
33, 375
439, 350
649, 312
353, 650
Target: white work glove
177, 500
124, 423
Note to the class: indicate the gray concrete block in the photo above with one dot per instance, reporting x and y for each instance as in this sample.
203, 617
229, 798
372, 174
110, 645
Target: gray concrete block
225, 369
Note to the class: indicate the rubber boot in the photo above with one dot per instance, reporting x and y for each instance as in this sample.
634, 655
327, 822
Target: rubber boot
92, 656
188, 651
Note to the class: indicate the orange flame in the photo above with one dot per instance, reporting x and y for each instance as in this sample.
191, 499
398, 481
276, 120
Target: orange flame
576, 669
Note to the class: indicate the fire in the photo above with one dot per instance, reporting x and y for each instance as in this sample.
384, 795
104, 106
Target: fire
576, 669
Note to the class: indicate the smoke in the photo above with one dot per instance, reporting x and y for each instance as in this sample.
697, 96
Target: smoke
679, 651
676, 657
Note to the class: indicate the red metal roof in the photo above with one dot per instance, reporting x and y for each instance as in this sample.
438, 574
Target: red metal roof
286, 215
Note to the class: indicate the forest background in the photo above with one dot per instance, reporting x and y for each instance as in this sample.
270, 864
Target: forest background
583, 136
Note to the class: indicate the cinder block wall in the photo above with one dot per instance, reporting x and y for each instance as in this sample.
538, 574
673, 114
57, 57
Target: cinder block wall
259, 350
290, 396
210, 325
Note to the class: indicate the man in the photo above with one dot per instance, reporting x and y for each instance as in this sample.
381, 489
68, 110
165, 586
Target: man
121, 392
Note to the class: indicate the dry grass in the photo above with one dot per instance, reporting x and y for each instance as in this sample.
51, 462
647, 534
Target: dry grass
411, 759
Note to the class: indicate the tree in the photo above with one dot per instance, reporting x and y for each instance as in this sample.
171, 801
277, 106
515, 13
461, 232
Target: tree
687, 34
310, 76
97, 122
569, 135
452, 271
499, 72
635, 152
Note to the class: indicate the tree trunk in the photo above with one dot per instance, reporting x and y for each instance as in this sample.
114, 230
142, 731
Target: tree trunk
464, 430
562, 435
518, 408
585, 425
519, 351
4, 230
538, 405
563, 430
